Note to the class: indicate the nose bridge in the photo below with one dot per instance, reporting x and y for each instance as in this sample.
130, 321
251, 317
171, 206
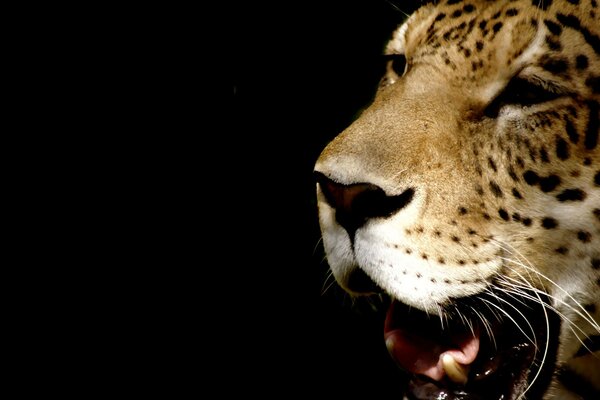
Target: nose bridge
402, 130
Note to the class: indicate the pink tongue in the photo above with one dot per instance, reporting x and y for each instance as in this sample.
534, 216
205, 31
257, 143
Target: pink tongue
418, 353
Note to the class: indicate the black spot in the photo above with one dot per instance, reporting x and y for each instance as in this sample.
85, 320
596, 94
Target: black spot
549, 183
456, 14
472, 232
497, 26
482, 26
562, 250
549, 223
511, 12
461, 262
571, 131
531, 153
556, 65
516, 194
544, 155
471, 26
553, 27
496, 191
467, 53
469, 8
571, 195
553, 44
487, 217
581, 62
596, 212
587, 161
462, 211
516, 217
572, 111
520, 162
593, 82
573, 22
576, 2
593, 126
497, 15
527, 221
492, 164
542, 4
503, 214
597, 178
596, 263
455, 239
440, 17
479, 45
562, 148
451, 2
584, 236
531, 177
591, 308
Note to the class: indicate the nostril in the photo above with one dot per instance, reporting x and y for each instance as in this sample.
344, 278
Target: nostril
356, 203
354, 198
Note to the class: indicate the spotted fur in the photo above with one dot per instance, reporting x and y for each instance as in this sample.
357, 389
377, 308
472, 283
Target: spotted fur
485, 146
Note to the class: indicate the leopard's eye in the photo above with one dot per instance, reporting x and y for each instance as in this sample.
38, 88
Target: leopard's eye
397, 62
521, 92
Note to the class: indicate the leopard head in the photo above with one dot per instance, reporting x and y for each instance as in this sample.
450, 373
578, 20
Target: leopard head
469, 193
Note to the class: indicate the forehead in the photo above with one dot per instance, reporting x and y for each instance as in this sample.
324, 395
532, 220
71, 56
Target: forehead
494, 40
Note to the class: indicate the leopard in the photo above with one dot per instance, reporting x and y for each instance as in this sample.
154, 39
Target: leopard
467, 194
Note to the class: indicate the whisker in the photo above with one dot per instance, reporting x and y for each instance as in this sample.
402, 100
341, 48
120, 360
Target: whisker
317, 245
562, 316
540, 275
327, 286
486, 326
533, 341
587, 317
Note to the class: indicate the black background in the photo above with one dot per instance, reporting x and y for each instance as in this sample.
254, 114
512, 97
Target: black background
301, 71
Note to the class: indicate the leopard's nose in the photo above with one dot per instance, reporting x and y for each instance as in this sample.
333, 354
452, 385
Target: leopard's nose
356, 203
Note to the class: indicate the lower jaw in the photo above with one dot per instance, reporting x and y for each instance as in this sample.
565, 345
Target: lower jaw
493, 388
504, 370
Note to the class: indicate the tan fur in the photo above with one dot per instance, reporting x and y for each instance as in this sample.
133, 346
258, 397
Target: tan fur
427, 130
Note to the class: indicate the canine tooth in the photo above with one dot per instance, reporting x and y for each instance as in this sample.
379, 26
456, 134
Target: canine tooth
455, 371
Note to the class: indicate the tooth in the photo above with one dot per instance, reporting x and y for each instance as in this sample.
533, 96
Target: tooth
455, 371
389, 343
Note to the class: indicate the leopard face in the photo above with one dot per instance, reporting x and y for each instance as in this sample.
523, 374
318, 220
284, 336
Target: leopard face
469, 193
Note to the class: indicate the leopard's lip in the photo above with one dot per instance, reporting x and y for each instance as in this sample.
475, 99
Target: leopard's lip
498, 367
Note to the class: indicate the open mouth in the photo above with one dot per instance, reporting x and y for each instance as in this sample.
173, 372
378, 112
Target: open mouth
490, 348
